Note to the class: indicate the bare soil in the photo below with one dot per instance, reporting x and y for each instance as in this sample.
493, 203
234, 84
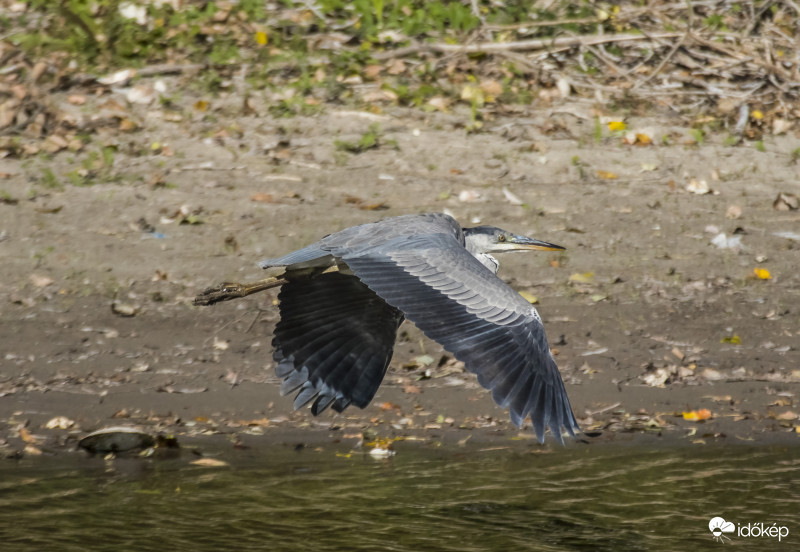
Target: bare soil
96, 282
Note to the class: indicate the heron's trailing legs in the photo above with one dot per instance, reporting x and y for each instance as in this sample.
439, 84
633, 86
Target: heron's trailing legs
234, 290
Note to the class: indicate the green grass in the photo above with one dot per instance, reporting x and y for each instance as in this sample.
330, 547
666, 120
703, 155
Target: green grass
50, 180
372, 138
95, 35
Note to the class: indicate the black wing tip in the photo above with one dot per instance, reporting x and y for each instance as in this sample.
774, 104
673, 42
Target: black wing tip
558, 434
555, 425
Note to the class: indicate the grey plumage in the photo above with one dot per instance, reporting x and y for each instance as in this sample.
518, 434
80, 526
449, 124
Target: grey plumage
337, 329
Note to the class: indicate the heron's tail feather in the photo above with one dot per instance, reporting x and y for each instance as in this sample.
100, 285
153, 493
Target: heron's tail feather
334, 341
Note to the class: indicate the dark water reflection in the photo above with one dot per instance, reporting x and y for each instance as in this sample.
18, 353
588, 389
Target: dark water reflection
577, 499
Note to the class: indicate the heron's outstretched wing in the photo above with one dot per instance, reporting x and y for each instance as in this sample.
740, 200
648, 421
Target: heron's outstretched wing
333, 342
364, 236
458, 302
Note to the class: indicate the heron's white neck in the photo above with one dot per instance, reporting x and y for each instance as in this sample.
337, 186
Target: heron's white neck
488, 261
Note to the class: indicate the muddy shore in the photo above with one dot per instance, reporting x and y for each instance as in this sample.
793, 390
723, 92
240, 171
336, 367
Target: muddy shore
649, 319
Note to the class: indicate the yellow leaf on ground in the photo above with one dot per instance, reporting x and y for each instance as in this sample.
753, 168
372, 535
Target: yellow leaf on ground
697, 415
529, 297
616, 125
261, 38
584, 278
26, 436
762, 274
472, 94
606, 175
732, 339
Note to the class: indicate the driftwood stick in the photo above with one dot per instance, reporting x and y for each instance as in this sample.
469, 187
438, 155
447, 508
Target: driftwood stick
519, 45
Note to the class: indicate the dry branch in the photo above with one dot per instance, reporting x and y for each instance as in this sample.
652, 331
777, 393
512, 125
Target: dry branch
518, 46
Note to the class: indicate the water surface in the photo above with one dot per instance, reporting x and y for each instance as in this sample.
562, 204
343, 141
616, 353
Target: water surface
583, 498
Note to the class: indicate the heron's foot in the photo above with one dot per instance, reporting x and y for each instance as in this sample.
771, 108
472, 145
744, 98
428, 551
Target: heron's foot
223, 292
233, 290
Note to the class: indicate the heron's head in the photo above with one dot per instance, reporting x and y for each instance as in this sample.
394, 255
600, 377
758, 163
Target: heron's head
488, 239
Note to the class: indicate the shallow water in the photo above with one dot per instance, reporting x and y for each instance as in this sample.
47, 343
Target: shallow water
590, 498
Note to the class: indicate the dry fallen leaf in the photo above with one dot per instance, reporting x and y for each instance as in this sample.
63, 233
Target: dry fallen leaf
786, 202
582, 278
59, 422
733, 212
697, 415
699, 187
440, 103
469, 196
380, 206
209, 463
396, 67
220, 345
492, 89
126, 125
762, 274
781, 126
262, 197
606, 175
26, 436
40, 281
32, 450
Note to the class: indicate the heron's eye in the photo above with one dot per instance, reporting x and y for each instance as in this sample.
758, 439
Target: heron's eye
501, 238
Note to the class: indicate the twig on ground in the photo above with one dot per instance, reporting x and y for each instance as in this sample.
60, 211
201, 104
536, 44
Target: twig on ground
537, 24
664, 61
517, 46
168, 69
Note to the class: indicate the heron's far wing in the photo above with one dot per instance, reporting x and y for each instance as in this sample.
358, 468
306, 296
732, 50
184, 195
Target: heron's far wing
307, 255
334, 341
458, 302
366, 236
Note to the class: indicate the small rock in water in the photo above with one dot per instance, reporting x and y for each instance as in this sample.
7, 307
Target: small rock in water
116, 439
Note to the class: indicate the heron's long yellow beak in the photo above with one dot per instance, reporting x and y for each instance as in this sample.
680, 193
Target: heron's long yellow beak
523, 243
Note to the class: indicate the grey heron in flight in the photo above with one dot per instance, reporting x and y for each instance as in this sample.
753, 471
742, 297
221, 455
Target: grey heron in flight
343, 298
